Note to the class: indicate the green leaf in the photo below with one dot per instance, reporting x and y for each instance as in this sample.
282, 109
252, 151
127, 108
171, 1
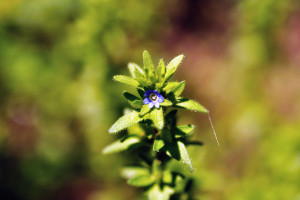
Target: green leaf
131, 172
130, 97
191, 105
141, 181
172, 67
120, 145
167, 177
137, 103
161, 70
166, 103
126, 80
125, 121
178, 89
158, 144
170, 86
145, 82
184, 157
155, 193
133, 100
131, 69
148, 64
135, 70
157, 116
183, 131
145, 109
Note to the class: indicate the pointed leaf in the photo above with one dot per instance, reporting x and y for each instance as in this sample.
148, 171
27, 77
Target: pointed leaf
148, 64
133, 100
125, 121
120, 145
141, 181
166, 103
145, 109
126, 80
130, 97
161, 70
172, 67
191, 105
137, 103
178, 89
158, 144
157, 117
170, 86
183, 131
135, 70
145, 82
184, 157
131, 172
131, 69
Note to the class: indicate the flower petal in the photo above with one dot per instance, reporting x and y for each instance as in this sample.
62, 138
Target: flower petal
160, 99
156, 92
157, 104
146, 101
150, 105
148, 92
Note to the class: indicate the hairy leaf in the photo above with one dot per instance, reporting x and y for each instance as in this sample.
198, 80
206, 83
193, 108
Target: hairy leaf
141, 181
157, 117
126, 80
131, 172
170, 86
145, 109
172, 66
166, 103
183, 131
178, 89
145, 82
120, 145
184, 157
125, 121
161, 70
158, 144
191, 105
148, 64
133, 100
135, 70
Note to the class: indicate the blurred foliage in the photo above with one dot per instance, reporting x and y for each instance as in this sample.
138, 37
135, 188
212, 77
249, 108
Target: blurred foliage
57, 98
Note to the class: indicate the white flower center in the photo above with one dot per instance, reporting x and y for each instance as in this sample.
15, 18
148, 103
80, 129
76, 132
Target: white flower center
153, 97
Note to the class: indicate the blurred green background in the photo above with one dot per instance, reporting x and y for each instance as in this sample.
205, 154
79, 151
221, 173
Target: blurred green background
57, 97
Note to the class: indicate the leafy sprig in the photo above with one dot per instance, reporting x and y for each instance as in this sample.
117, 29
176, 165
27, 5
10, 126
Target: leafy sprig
152, 130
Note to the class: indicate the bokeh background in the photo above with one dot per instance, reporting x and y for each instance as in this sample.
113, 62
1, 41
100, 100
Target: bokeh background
57, 97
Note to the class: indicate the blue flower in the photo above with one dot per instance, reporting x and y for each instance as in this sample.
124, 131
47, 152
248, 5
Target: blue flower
153, 98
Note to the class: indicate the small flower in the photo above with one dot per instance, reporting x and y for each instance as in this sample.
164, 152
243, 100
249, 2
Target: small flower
153, 98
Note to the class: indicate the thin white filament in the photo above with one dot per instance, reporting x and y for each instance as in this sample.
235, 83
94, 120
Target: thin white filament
213, 128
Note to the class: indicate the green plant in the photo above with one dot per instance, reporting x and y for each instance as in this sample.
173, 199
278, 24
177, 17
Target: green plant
152, 131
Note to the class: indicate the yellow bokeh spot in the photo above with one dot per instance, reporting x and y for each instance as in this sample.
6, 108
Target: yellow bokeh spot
7, 5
